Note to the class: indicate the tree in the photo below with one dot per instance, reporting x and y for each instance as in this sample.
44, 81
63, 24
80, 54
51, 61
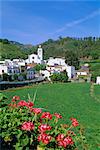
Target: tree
5, 77
15, 77
71, 58
59, 77
40, 67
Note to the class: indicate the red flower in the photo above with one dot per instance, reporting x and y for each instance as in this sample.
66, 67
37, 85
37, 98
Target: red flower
62, 143
74, 122
15, 98
60, 137
44, 138
30, 104
27, 126
23, 103
44, 127
46, 115
57, 115
68, 140
36, 110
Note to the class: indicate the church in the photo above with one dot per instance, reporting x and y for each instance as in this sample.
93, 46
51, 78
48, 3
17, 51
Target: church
36, 58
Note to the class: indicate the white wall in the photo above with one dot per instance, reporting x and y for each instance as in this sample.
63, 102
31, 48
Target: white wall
82, 73
3, 67
40, 53
33, 58
59, 61
98, 80
30, 74
70, 71
46, 73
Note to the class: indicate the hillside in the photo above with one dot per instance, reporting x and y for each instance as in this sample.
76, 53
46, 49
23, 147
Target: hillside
85, 48
12, 49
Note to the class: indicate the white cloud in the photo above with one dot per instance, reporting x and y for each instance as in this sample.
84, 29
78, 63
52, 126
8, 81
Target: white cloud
76, 22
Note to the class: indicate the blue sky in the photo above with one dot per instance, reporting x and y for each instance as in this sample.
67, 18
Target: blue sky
33, 22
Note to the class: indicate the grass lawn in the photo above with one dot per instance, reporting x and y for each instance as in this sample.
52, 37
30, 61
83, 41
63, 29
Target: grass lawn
71, 100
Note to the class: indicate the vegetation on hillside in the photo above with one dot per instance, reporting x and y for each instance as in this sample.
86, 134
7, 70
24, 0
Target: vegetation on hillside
84, 48
12, 50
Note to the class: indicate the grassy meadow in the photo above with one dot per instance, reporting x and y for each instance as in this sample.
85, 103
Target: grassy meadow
71, 100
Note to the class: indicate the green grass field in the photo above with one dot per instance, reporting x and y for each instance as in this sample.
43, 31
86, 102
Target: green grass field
71, 100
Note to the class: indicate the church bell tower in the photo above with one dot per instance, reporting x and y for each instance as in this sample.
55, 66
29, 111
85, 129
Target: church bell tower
40, 53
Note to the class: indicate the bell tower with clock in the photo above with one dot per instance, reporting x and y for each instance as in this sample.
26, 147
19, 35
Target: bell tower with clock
40, 53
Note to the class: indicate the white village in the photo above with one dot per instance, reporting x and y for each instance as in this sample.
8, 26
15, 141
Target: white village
53, 65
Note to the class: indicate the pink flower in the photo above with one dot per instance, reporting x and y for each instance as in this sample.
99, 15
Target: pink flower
44, 127
23, 103
60, 137
30, 104
15, 98
27, 126
57, 115
62, 143
68, 140
46, 115
36, 110
74, 122
44, 138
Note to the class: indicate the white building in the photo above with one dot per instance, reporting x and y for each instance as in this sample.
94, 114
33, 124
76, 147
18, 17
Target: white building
70, 71
56, 61
98, 80
56, 68
40, 53
46, 74
33, 58
3, 69
30, 74
13, 69
83, 72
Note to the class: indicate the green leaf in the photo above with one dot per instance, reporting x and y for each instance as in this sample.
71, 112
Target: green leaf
2, 96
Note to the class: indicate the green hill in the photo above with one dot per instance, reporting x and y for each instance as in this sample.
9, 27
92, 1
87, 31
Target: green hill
12, 49
85, 48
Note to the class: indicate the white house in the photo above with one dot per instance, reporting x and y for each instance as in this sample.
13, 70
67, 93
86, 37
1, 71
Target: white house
70, 71
55, 61
46, 74
30, 74
13, 69
3, 69
36, 58
83, 72
56, 68
98, 80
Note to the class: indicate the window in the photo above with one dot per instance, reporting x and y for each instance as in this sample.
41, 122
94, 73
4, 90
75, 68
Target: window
10, 71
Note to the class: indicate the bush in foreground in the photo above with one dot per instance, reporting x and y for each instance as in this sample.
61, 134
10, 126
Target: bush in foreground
25, 127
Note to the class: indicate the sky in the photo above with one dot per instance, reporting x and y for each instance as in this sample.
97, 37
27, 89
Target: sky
33, 22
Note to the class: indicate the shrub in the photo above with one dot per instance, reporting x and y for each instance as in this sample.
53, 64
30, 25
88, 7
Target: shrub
25, 127
60, 77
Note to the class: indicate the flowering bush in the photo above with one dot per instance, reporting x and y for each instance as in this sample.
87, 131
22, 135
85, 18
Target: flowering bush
25, 127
